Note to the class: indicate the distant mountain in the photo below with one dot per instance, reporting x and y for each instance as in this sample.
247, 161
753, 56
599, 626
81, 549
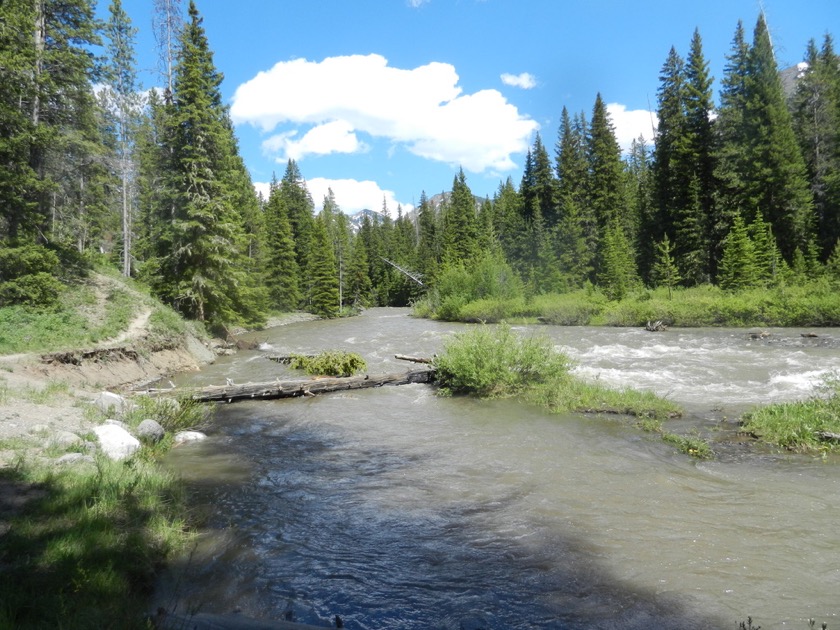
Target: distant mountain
790, 77
435, 201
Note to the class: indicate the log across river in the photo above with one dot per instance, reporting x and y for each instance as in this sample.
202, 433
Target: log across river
309, 387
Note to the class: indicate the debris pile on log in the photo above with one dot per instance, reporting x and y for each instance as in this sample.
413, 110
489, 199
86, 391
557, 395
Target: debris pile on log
656, 326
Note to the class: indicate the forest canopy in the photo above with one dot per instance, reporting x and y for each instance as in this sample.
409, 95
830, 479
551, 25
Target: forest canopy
739, 192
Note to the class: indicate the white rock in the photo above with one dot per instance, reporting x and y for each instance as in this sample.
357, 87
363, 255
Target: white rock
189, 436
116, 442
109, 401
64, 439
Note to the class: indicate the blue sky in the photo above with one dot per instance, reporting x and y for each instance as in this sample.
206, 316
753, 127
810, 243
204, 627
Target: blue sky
384, 99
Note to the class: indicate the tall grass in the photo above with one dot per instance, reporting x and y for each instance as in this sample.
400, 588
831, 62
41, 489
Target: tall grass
812, 304
806, 426
495, 362
84, 554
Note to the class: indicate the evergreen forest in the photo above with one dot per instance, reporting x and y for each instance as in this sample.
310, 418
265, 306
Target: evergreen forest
738, 192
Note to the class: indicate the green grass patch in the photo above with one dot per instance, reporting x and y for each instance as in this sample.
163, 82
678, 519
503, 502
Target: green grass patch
85, 552
495, 362
330, 363
808, 426
690, 445
810, 304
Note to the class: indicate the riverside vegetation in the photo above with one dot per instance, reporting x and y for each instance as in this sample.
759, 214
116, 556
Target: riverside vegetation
84, 551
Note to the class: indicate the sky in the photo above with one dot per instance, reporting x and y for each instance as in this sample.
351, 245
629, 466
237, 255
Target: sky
382, 100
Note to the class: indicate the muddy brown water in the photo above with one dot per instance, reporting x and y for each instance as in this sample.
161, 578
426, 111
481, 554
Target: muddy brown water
397, 508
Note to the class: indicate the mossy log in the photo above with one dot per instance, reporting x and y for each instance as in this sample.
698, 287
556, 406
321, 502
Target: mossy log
309, 387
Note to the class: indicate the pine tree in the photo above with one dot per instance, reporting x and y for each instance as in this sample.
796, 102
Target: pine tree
47, 117
738, 268
428, 242
460, 227
770, 266
324, 300
359, 287
606, 196
539, 186
665, 272
699, 108
816, 111
202, 270
618, 267
731, 167
775, 177
282, 271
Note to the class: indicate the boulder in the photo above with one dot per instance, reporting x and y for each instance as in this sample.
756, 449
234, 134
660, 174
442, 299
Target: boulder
109, 402
64, 439
150, 431
189, 436
116, 442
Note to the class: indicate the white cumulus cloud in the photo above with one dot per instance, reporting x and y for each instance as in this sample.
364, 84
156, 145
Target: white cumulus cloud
526, 81
336, 136
629, 124
324, 107
351, 195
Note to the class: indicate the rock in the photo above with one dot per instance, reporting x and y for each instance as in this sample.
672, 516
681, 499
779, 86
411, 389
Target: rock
189, 436
116, 442
63, 439
116, 423
150, 431
109, 402
74, 458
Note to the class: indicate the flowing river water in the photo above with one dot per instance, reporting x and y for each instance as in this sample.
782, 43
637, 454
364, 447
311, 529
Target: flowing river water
397, 508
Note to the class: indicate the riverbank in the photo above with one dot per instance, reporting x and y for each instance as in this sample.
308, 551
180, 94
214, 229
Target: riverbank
812, 304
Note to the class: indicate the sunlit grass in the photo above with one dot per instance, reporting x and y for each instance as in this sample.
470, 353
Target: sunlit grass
811, 425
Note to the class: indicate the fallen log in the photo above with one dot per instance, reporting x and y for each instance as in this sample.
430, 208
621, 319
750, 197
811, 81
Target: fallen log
308, 387
405, 357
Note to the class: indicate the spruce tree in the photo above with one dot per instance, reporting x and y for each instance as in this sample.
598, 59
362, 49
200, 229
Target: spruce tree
606, 196
730, 163
665, 272
738, 268
202, 270
775, 175
816, 111
460, 228
282, 271
324, 300
618, 274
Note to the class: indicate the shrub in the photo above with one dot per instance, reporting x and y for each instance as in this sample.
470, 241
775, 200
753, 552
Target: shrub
495, 362
330, 363
27, 276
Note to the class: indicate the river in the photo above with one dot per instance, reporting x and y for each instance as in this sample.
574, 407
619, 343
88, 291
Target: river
397, 508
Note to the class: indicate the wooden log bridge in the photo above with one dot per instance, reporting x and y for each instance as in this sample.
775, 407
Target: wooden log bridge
309, 387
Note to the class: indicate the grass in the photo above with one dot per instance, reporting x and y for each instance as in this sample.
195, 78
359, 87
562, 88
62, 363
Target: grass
809, 304
494, 362
802, 426
84, 553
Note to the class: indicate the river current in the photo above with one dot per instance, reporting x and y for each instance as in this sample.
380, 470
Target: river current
397, 508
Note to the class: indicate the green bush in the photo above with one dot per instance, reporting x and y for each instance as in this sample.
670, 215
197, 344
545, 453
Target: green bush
495, 362
28, 276
330, 363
